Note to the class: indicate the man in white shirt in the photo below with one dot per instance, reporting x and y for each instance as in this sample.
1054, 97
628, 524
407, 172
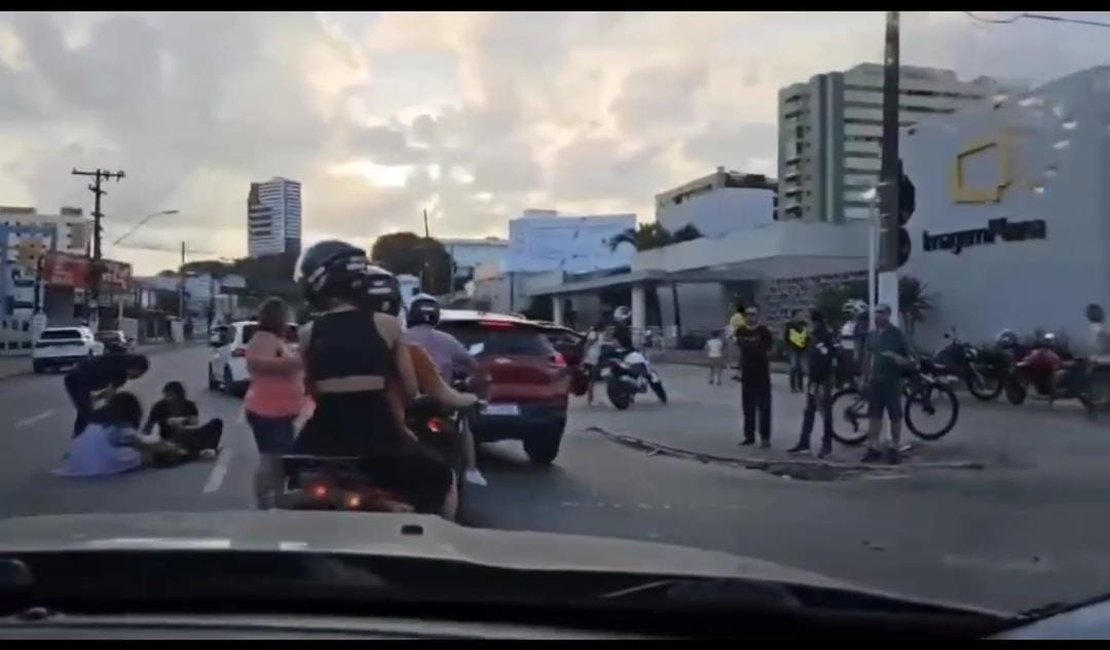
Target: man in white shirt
714, 349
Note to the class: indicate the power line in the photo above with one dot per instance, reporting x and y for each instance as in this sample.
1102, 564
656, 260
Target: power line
1031, 16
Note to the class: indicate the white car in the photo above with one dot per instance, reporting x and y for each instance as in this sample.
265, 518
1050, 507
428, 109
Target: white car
64, 346
227, 369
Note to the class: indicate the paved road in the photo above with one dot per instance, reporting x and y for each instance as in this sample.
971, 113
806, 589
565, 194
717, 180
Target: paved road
1024, 531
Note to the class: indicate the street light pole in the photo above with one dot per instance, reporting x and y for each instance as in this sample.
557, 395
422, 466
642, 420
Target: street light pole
141, 223
889, 185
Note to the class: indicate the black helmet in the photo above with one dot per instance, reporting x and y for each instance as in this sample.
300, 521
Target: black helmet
380, 291
423, 310
331, 269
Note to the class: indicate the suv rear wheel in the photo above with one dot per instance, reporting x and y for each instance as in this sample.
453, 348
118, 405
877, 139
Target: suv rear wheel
543, 449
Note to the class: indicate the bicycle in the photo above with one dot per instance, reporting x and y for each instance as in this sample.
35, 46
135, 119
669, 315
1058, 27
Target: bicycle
922, 391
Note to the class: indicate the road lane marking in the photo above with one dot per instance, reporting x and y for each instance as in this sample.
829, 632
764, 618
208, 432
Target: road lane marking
219, 471
34, 418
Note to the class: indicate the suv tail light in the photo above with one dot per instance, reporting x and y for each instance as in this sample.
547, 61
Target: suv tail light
558, 360
239, 352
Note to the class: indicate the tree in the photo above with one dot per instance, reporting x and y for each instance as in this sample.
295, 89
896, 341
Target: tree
424, 257
689, 232
830, 301
914, 302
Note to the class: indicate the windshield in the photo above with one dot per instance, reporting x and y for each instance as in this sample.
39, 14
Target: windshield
832, 283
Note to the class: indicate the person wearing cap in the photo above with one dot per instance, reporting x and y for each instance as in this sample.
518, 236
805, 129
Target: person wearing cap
888, 351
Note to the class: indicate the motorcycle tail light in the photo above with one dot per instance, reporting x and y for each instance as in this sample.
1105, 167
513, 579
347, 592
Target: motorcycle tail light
318, 491
435, 425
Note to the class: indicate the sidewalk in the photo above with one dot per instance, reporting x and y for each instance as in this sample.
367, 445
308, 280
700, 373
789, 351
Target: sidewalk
17, 366
707, 419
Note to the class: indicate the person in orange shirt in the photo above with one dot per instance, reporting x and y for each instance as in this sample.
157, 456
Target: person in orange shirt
274, 400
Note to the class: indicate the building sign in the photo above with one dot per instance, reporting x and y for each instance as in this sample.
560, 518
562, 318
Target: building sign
1001, 228
67, 270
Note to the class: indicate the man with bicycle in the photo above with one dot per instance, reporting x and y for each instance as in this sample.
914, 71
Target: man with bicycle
888, 351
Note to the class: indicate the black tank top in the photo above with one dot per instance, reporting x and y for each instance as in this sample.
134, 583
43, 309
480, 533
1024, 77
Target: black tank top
347, 344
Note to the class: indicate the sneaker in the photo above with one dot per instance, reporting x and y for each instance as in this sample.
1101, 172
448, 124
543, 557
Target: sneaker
872, 456
826, 451
893, 456
474, 477
747, 443
799, 448
766, 444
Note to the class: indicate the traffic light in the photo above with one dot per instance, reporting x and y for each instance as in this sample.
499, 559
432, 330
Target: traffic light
907, 203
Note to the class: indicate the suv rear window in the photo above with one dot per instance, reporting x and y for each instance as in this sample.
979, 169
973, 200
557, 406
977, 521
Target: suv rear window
508, 339
58, 335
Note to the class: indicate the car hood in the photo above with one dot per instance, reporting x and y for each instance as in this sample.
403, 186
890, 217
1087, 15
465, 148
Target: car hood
397, 535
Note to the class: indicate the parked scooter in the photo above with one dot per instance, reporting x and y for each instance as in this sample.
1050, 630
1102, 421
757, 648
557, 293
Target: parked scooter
628, 373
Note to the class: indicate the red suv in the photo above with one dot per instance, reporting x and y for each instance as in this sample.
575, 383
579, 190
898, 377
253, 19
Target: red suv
528, 380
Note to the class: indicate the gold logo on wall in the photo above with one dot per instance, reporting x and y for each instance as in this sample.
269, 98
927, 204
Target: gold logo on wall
963, 193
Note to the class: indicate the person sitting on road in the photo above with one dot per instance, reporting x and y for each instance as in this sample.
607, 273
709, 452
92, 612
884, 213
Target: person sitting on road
451, 360
112, 444
96, 379
352, 353
177, 419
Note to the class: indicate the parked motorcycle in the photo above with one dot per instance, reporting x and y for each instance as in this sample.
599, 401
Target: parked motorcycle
627, 374
983, 371
1053, 372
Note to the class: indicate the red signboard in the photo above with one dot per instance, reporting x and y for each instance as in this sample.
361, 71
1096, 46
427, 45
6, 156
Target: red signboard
66, 270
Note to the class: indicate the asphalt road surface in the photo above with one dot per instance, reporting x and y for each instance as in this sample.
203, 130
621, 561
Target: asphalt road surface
1026, 530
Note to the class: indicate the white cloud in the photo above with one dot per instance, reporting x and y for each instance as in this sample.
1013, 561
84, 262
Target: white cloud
472, 116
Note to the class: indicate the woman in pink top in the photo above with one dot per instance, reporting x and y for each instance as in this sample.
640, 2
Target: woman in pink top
275, 398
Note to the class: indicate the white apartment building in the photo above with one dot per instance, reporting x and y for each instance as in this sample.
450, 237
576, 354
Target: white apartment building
274, 217
830, 129
721, 202
73, 230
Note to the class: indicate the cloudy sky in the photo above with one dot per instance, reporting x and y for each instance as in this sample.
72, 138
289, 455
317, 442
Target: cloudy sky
470, 116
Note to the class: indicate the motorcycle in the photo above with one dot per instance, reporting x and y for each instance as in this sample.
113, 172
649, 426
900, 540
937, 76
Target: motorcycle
342, 483
628, 373
983, 371
1053, 372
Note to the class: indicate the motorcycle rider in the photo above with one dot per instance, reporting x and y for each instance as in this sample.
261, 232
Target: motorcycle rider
451, 359
352, 352
622, 330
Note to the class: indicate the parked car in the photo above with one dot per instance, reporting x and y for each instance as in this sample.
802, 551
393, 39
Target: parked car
64, 346
115, 341
227, 368
526, 380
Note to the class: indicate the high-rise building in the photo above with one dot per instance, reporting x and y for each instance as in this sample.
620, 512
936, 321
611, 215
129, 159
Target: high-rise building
274, 217
830, 129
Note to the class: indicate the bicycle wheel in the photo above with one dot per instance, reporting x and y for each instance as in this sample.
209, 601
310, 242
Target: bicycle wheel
927, 406
849, 417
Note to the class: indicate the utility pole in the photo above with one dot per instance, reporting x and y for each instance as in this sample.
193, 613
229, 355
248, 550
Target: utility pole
181, 287
890, 174
100, 175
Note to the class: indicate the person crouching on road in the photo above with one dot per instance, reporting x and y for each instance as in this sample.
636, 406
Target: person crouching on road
274, 400
823, 358
755, 342
97, 379
714, 350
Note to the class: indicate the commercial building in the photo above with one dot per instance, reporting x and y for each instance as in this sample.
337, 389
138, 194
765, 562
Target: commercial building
74, 230
718, 203
468, 254
831, 125
1012, 225
26, 237
274, 217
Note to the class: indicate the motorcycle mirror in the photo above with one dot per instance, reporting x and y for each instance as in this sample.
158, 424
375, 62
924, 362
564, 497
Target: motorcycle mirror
476, 349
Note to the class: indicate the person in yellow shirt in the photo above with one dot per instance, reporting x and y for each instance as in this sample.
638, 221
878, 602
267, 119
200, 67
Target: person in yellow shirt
796, 338
734, 323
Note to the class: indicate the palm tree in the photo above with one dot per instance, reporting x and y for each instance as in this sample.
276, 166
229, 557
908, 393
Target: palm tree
688, 232
914, 302
644, 236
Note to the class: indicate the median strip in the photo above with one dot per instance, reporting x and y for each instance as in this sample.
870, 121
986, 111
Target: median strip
811, 469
